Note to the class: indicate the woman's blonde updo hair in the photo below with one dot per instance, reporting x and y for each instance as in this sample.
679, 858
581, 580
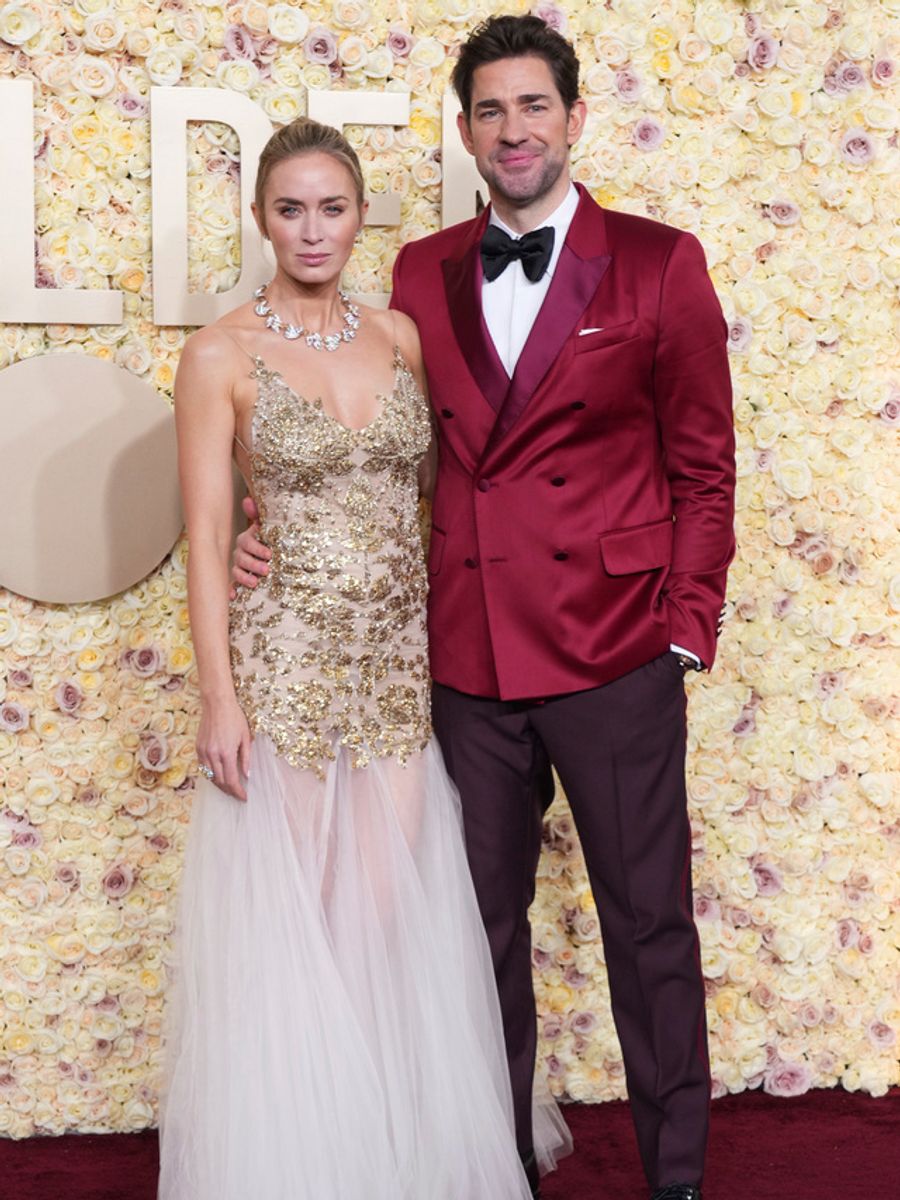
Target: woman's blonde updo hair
305, 136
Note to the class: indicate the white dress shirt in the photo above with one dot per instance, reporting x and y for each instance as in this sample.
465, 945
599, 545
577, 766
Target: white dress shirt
511, 302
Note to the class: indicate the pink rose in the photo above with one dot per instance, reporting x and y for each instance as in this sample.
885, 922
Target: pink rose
159, 842
551, 1026
810, 1015
27, 839
751, 24
849, 76
400, 42
69, 697
765, 251
889, 412
13, 717
857, 147
648, 134
706, 909
20, 677
628, 85
768, 879
883, 72
118, 881
764, 460
321, 46
67, 874
574, 978
555, 1068
782, 212
146, 661
239, 43
584, 1023
551, 15
763, 52
846, 934
172, 683
89, 795
881, 1035
131, 105
787, 1078
154, 751
835, 19
740, 335
540, 958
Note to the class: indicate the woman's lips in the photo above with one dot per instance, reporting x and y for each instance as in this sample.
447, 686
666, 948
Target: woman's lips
312, 260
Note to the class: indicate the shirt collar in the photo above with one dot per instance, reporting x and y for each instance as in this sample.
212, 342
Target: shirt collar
560, 220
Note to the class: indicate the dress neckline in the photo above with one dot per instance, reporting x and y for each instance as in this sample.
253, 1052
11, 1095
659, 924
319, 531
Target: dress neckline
318, 403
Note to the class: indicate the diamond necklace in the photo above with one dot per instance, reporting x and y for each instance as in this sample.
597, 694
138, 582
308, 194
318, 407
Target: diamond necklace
330, 341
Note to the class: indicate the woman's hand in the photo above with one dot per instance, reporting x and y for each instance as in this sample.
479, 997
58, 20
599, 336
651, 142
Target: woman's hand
223, 745
250, 555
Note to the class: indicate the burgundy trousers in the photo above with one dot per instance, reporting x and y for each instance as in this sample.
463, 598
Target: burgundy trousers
619, 753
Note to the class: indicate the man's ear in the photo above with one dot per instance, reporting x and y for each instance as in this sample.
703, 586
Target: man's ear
577, 118
465, 132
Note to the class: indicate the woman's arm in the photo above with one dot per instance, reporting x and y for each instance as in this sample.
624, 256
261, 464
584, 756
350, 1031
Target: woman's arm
407, 337
204, 420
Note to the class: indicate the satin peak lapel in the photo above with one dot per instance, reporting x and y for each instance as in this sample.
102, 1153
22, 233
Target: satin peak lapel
462, 284
572, 288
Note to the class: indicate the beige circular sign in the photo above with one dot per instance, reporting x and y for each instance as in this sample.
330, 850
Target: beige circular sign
90, 496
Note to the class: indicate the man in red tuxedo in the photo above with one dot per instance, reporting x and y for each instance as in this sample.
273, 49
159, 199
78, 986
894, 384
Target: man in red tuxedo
582, 533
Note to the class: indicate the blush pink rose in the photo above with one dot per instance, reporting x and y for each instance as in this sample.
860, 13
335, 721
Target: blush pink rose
20, 677
740, 335
132, 106
146, 661
154, 751
321, 46
782, 212
768, 879
118, 881
763, 51
648, 134
69, 697
552, 1026
787, 1078
239, 43
13, 717
881, 1035
883, 72
628, 85
400, 42
552, 15
857, 147
584, 1023
846, 934
67, 874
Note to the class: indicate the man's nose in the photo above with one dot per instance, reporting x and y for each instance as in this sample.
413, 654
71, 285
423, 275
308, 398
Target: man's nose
514, 130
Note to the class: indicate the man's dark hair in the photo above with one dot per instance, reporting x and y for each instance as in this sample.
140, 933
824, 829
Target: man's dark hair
515, 37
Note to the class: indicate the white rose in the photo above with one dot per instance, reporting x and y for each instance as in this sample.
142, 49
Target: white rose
288, 24
103, 31
427, 52
163, 66
379, 64
18, 25
93, 76
282, 106
239, 75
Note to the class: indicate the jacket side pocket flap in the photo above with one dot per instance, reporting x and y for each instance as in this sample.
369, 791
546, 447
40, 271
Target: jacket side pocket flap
642, 548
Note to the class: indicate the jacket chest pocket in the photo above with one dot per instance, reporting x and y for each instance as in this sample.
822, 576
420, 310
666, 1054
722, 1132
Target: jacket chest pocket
605, 338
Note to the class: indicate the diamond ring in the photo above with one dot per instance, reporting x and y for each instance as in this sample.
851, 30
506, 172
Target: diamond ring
206, 771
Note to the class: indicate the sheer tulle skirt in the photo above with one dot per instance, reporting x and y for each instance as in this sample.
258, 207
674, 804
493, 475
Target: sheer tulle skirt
333, 1031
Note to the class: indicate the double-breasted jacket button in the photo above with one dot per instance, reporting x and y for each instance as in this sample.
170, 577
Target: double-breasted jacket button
471, 563
557, 481
446, 412
560, 556
577, 405
484, 485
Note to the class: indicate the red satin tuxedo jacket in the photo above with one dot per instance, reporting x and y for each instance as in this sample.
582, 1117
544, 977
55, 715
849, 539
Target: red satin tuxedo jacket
583, 514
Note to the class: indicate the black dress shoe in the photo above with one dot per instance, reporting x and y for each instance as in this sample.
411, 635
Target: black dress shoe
677, 1191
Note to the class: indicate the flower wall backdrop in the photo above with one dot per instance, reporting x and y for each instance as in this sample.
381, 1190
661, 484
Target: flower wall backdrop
770, 130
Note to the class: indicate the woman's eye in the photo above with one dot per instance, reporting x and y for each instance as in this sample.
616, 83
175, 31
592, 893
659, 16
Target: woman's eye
334, 210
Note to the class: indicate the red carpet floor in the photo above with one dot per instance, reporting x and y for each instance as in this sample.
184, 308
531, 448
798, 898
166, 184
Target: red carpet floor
826, 1145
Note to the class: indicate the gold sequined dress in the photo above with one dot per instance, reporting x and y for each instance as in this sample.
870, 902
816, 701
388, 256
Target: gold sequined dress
333, 1031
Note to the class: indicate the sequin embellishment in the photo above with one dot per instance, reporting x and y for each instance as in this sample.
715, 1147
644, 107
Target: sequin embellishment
330, 648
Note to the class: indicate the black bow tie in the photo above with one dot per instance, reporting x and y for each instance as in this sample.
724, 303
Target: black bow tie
533, 250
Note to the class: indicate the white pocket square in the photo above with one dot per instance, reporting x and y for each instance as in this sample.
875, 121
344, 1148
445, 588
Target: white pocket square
582, 332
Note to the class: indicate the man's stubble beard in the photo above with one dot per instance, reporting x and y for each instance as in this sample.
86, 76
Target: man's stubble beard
550, 173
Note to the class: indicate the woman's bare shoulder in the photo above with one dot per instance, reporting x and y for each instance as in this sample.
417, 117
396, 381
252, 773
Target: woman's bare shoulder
223, 339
